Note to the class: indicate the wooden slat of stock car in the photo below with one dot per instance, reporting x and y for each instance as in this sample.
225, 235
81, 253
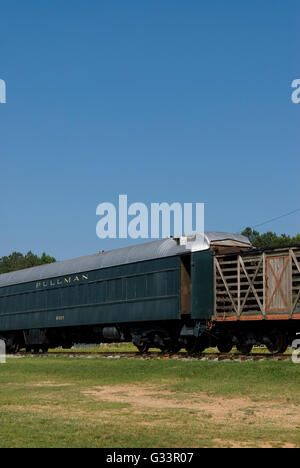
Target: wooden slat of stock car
258, 286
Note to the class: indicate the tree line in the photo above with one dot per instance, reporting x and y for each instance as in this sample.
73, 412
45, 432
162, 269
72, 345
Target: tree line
18, 261
270, 239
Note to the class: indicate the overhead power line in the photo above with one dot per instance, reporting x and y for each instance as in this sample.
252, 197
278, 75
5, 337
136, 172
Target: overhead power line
278, 217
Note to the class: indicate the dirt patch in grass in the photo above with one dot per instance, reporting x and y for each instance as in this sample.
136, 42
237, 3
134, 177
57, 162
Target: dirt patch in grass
24, 408
266, 445
45, 384
217, 409
51, 384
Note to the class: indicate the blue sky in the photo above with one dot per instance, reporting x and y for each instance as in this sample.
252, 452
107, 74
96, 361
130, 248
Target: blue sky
163, 100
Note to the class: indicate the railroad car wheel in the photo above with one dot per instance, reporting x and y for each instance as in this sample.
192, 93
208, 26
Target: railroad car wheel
224, 347
143, 348
278, 342
174, 348
13, 349
244, 348
195, 346
12, 346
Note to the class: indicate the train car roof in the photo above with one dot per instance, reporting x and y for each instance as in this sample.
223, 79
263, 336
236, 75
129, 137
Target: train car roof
137, 253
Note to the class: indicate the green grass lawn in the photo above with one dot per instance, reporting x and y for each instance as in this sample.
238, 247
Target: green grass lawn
83, 402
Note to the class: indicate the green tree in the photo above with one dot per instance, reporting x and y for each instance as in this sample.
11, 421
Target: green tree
270, 239
17, 261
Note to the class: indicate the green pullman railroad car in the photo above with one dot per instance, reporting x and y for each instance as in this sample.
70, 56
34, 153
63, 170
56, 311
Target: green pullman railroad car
167, 294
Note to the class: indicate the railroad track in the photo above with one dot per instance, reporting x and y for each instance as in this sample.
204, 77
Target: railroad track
162, 356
